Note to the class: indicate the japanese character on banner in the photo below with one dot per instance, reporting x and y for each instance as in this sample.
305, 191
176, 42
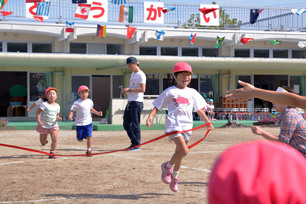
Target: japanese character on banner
38, 9
98, 10
153, 12
209, 15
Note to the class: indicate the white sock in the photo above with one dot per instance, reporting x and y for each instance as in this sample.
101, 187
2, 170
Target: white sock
175, 174
169, 166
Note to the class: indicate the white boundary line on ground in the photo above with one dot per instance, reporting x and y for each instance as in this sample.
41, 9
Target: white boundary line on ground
153, 161
18, 162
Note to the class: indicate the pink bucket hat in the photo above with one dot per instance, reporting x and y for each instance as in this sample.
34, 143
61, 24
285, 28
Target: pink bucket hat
258, 172
82, 88
49, 89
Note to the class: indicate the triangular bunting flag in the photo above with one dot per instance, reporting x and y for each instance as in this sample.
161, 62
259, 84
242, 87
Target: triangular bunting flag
43, 8
126, 14
254, 13
192, 38
39, 18
69, 27
130, 32
165, 10
275, 42
101, 31
207, 10
118, 2
6, 13
79, 1
82, 11
301, 44
219, 42
298, 11
2, 3
160, 34
246, 40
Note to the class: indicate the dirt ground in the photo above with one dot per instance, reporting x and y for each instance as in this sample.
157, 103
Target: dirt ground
121, 177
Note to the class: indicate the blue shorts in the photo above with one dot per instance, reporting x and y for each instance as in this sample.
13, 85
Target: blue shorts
84, 131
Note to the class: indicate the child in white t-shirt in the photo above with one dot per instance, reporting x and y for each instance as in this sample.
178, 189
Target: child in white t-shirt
83, 108
47, 116
211, 109
181, 102
41, 99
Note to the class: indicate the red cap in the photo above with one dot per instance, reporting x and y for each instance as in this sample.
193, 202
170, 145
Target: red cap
82, 88
182, 67
258, 172
49, 89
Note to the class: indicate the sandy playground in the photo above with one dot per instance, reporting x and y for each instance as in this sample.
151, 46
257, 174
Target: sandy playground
121, 177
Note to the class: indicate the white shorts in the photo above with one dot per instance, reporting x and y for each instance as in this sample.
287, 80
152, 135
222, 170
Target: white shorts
186, 136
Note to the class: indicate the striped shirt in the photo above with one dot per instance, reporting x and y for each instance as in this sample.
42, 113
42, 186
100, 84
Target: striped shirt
293, 129
48, 114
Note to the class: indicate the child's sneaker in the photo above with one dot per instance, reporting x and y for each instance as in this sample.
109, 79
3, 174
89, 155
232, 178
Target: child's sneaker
174, 184
88, 152
166, 173
52, 156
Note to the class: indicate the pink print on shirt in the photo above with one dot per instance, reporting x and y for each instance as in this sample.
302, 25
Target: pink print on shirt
181, 100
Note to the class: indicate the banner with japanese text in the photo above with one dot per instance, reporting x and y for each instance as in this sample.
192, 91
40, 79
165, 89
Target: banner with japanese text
98, 10
210, 18
153, 12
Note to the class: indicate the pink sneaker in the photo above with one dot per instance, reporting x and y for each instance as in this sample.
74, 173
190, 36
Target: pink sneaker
166, 173
174, 184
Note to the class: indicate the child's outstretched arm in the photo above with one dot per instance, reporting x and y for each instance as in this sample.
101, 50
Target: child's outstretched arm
33, 106
58, 118
150, 117
99, 113
38, 117
202, 114
70, 115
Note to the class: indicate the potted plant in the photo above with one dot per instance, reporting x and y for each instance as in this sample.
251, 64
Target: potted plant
18, 93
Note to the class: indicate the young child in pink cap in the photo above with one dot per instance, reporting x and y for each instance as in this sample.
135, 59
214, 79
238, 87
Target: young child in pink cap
83, 107
47, 116
258, 172
181, 102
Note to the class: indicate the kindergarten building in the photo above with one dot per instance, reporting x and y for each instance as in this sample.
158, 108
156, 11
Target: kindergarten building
36, 54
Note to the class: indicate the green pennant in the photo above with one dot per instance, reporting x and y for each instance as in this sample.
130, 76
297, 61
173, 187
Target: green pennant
275, 42
219, 42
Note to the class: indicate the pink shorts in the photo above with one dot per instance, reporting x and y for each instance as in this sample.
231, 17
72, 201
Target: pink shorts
45, 131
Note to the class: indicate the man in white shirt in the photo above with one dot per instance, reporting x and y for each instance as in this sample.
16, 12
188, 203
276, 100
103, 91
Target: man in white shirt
135, 92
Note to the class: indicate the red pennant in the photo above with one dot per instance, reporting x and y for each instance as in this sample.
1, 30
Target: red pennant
130, 32
206, 10
246, 40
39, 18
6, 13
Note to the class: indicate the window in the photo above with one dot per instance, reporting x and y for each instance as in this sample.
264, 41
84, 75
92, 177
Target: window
38, 84
148, 50
78, 48
210, 52
170, 51
298, 53
17, 47
280, 53
1, 49
117, 82
296, 82
96, 48
114, 49
167, 81
152, 84
261, 53
209, 86
190, 52
42, 48
242, 52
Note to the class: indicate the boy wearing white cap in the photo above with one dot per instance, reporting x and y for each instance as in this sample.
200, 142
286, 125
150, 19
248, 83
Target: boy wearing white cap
292, 126
83, 107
